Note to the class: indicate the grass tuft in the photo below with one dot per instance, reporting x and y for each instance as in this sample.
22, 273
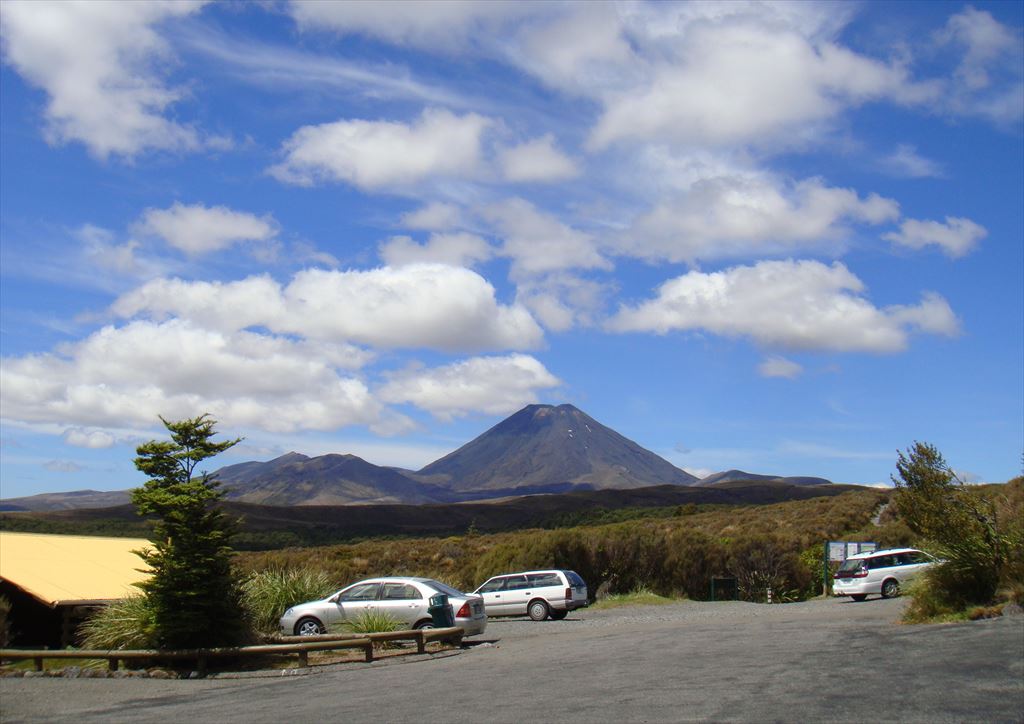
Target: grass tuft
638, 597
125, 624
267, 594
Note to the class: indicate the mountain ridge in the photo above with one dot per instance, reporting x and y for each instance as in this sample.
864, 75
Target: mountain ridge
541, 449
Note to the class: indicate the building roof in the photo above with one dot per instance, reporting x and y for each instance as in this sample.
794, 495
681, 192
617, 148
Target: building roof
63, 569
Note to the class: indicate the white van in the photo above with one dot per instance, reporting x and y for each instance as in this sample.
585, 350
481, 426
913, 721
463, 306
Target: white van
537, 594
881, 572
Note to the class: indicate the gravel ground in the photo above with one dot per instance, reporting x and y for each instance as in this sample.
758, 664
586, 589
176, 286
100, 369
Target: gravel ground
822, 660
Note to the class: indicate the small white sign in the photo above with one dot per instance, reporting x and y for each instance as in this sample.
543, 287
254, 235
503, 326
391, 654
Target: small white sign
836, 551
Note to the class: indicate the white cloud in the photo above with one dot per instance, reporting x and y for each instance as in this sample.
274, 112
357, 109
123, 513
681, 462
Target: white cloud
956, 237
198, 229
493, 385
539, 243
906, 162
282, 67
799, 305
131, 374
435, 216
579, 48
736, 216
776, 366
62, 466
563, 301
417, 306
989, 81
426, 305
434, 24
101, 249
537, 160
456, 249
98, 63
742, 79
377, 154
94, 439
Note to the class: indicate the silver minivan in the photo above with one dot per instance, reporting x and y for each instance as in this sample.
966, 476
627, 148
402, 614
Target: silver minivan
537, 594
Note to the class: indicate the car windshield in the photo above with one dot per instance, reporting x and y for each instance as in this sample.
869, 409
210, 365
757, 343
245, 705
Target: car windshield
851, 566
442, 588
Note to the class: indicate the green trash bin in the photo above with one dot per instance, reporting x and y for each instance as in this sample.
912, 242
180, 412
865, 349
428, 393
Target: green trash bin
440, 611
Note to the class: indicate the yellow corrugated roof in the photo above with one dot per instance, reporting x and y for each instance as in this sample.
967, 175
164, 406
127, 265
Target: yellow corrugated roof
61, 568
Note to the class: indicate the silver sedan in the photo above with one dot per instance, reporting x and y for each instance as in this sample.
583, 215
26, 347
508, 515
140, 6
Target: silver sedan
404, 599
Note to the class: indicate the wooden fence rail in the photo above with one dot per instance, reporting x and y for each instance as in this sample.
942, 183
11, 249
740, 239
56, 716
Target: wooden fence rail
300, 645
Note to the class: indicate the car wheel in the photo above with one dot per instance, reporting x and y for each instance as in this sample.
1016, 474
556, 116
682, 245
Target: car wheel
890, 589
558, 615
309, 627
858, 596
538, 610
424, 624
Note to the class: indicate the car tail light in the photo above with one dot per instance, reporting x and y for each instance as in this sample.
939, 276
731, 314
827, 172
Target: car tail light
568, 594
862, 573
464, 611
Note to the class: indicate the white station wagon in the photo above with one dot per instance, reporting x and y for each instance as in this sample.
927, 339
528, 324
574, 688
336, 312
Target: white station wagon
537, 594
881, 572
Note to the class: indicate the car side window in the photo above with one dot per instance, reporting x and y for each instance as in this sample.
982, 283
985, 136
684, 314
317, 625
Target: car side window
917, 557
495, 584
401, 592
363, 592
881, 562
539, 580
515, 583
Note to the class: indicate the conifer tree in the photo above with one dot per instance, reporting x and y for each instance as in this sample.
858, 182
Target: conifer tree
192, 590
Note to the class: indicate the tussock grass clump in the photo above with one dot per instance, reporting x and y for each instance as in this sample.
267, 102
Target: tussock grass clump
267, 594
639, 597
129, 623
374, 621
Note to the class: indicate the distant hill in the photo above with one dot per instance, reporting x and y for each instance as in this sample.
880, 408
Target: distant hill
67, 501
543, 446
265, 526
295, 479
732, 476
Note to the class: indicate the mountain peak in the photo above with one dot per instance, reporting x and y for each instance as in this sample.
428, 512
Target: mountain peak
548, 445
290, 457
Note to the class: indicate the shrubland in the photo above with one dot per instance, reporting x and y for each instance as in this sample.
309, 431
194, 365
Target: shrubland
777, 546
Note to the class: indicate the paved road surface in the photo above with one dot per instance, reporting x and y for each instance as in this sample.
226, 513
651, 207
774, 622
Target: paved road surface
828, 660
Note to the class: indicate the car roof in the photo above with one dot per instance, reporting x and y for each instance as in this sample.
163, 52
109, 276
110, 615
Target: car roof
527, 573
884, 551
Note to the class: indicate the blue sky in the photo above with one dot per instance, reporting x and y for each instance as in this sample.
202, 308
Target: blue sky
785, 238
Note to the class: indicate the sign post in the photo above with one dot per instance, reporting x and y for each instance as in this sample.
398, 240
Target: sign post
839, 551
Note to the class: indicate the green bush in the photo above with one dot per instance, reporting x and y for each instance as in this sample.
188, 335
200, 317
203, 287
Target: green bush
373, 621
267, 594
129, 623
763, 563
977, 531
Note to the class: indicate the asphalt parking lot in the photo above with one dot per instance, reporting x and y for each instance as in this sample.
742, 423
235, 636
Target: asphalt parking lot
825, 660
